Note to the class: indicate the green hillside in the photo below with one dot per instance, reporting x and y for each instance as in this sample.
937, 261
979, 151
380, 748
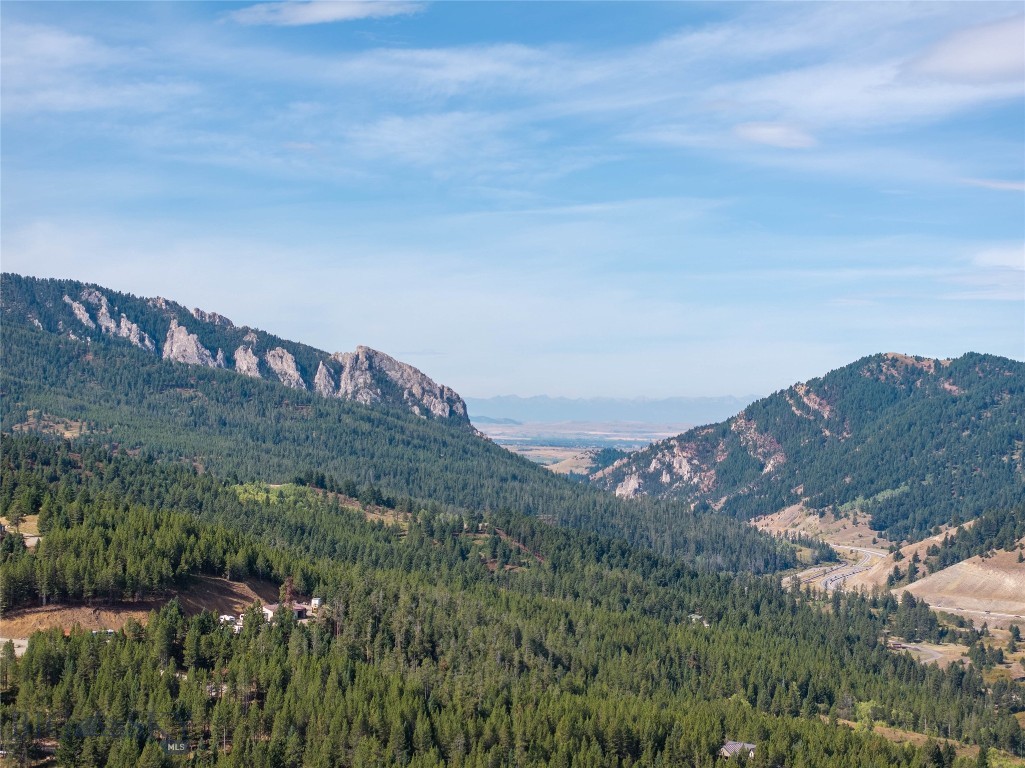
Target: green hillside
459, 626
256, 428
581, 651
915, 442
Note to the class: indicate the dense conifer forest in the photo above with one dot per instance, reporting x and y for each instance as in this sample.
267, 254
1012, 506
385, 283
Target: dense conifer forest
478, 610
456, 637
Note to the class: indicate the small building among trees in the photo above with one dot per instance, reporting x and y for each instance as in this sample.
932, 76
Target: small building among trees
732, 748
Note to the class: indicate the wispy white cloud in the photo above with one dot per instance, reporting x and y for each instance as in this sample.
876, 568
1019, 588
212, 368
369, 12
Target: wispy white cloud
992, 52
434, 140
856, 97
775, 135
994, 273
47, 69
1005, 257
297, 13
998, 184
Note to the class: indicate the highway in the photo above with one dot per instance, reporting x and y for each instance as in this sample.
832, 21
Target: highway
830, 578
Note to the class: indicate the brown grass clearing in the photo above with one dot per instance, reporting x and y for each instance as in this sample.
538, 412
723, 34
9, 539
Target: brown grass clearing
37, 421
877, 575
990, 589
29, 525
203, 593
837, 531
998, 758
934, 653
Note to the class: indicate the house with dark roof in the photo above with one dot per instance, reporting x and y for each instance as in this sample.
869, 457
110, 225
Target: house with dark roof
732, 748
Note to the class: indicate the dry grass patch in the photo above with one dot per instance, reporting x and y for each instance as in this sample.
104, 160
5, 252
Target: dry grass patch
934, 653
205, 593
37, 421
838, 531
990, 589
23, 622
29, 525
997, 758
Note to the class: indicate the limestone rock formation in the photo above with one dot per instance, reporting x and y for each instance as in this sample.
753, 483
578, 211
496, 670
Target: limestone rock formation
246, 362
283, 364
212, 317
184, 347
367, 376
80, 312
324, 382
123, 328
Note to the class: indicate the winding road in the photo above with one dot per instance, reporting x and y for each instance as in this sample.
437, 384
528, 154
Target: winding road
832, 577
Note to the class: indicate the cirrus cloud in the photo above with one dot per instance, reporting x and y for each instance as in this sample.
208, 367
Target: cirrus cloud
993, 52
775, 135
297, 14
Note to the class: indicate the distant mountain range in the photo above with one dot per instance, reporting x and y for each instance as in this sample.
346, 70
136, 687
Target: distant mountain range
543, 409
915, 442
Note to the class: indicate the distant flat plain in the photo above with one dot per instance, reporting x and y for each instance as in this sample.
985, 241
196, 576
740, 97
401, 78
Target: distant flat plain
567, 446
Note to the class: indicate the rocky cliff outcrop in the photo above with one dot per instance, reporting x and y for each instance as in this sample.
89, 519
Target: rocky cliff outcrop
283, 364
368, 376
212, 317
246, 362
889, 435
122, 328
80, 312
324, 382
184, 347
365, 376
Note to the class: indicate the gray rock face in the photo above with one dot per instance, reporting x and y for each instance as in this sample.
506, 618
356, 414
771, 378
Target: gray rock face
246, 362
367, 376
282, 363
184, 347
126, 329
98, 300
324, 382
80, 312
123, 328
212, 317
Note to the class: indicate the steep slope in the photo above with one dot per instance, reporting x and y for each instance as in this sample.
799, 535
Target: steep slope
92, 382
195, 337
913, 441
985, 589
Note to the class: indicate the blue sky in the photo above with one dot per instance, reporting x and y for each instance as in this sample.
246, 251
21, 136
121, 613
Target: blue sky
572, 199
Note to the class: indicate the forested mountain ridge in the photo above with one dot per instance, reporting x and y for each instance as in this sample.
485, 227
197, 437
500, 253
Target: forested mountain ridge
117, 392
914, 441
584, 653
171, 331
